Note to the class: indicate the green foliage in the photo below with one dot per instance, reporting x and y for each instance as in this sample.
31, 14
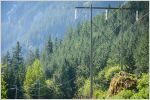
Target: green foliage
30, 58
14, 72
33, 79
111, 71
67, 79
56, 43
3, 88
37, 53
143, 82
46, 56
18, 69
62, 68
99, 94
101, 81
142, 93
142, 57
104, 77
84, 91
124, 94
143, 87
49, 46
51, 90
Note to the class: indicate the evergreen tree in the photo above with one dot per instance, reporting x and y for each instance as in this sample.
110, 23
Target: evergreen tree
49, 46
56, 43
34, 81
3, 88
67, 79
18, 72
30, 58
37, 54
8, 76
46, 56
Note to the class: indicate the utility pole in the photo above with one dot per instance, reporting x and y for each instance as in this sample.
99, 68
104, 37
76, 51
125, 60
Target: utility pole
39, 89
91, 57
16, 93
91, 62
121, 40
121, 61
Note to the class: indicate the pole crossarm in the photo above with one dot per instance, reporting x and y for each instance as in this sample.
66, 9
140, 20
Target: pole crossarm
91, 59
105, 8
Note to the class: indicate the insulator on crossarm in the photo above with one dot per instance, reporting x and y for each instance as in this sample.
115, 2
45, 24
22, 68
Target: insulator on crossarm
75, 14
137, 15
106, 15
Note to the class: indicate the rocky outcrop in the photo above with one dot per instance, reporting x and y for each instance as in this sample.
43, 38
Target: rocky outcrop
120, 81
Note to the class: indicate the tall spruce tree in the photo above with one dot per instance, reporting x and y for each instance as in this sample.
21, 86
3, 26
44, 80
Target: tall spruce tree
37, 53
8, 73
56, 43
49, 46
18, 71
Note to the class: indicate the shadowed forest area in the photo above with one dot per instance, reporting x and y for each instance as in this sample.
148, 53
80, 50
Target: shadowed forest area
61, 69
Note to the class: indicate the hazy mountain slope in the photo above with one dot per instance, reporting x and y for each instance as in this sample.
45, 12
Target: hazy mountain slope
31, 22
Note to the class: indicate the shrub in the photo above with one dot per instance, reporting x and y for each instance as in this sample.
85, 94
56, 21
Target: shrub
143, 87
143, 90
111, 71
99, 94
3, 88
104, 77
124, 94
83, 92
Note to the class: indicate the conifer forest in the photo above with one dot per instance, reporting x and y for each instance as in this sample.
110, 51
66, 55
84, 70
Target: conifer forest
102, 53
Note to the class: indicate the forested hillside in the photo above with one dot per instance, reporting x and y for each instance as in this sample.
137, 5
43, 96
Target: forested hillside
62, 68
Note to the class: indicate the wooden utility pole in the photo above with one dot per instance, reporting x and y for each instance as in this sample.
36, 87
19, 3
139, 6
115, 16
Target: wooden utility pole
91, 62
39, 89
16, 93
91, 57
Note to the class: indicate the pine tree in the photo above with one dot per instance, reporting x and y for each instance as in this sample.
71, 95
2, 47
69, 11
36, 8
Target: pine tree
7, 62
49, 46
18, 71
3, 88
34, 81
67, 79
30, 58
37, 53
8, 75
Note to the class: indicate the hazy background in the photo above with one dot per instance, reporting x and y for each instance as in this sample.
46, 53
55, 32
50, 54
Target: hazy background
31, 22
